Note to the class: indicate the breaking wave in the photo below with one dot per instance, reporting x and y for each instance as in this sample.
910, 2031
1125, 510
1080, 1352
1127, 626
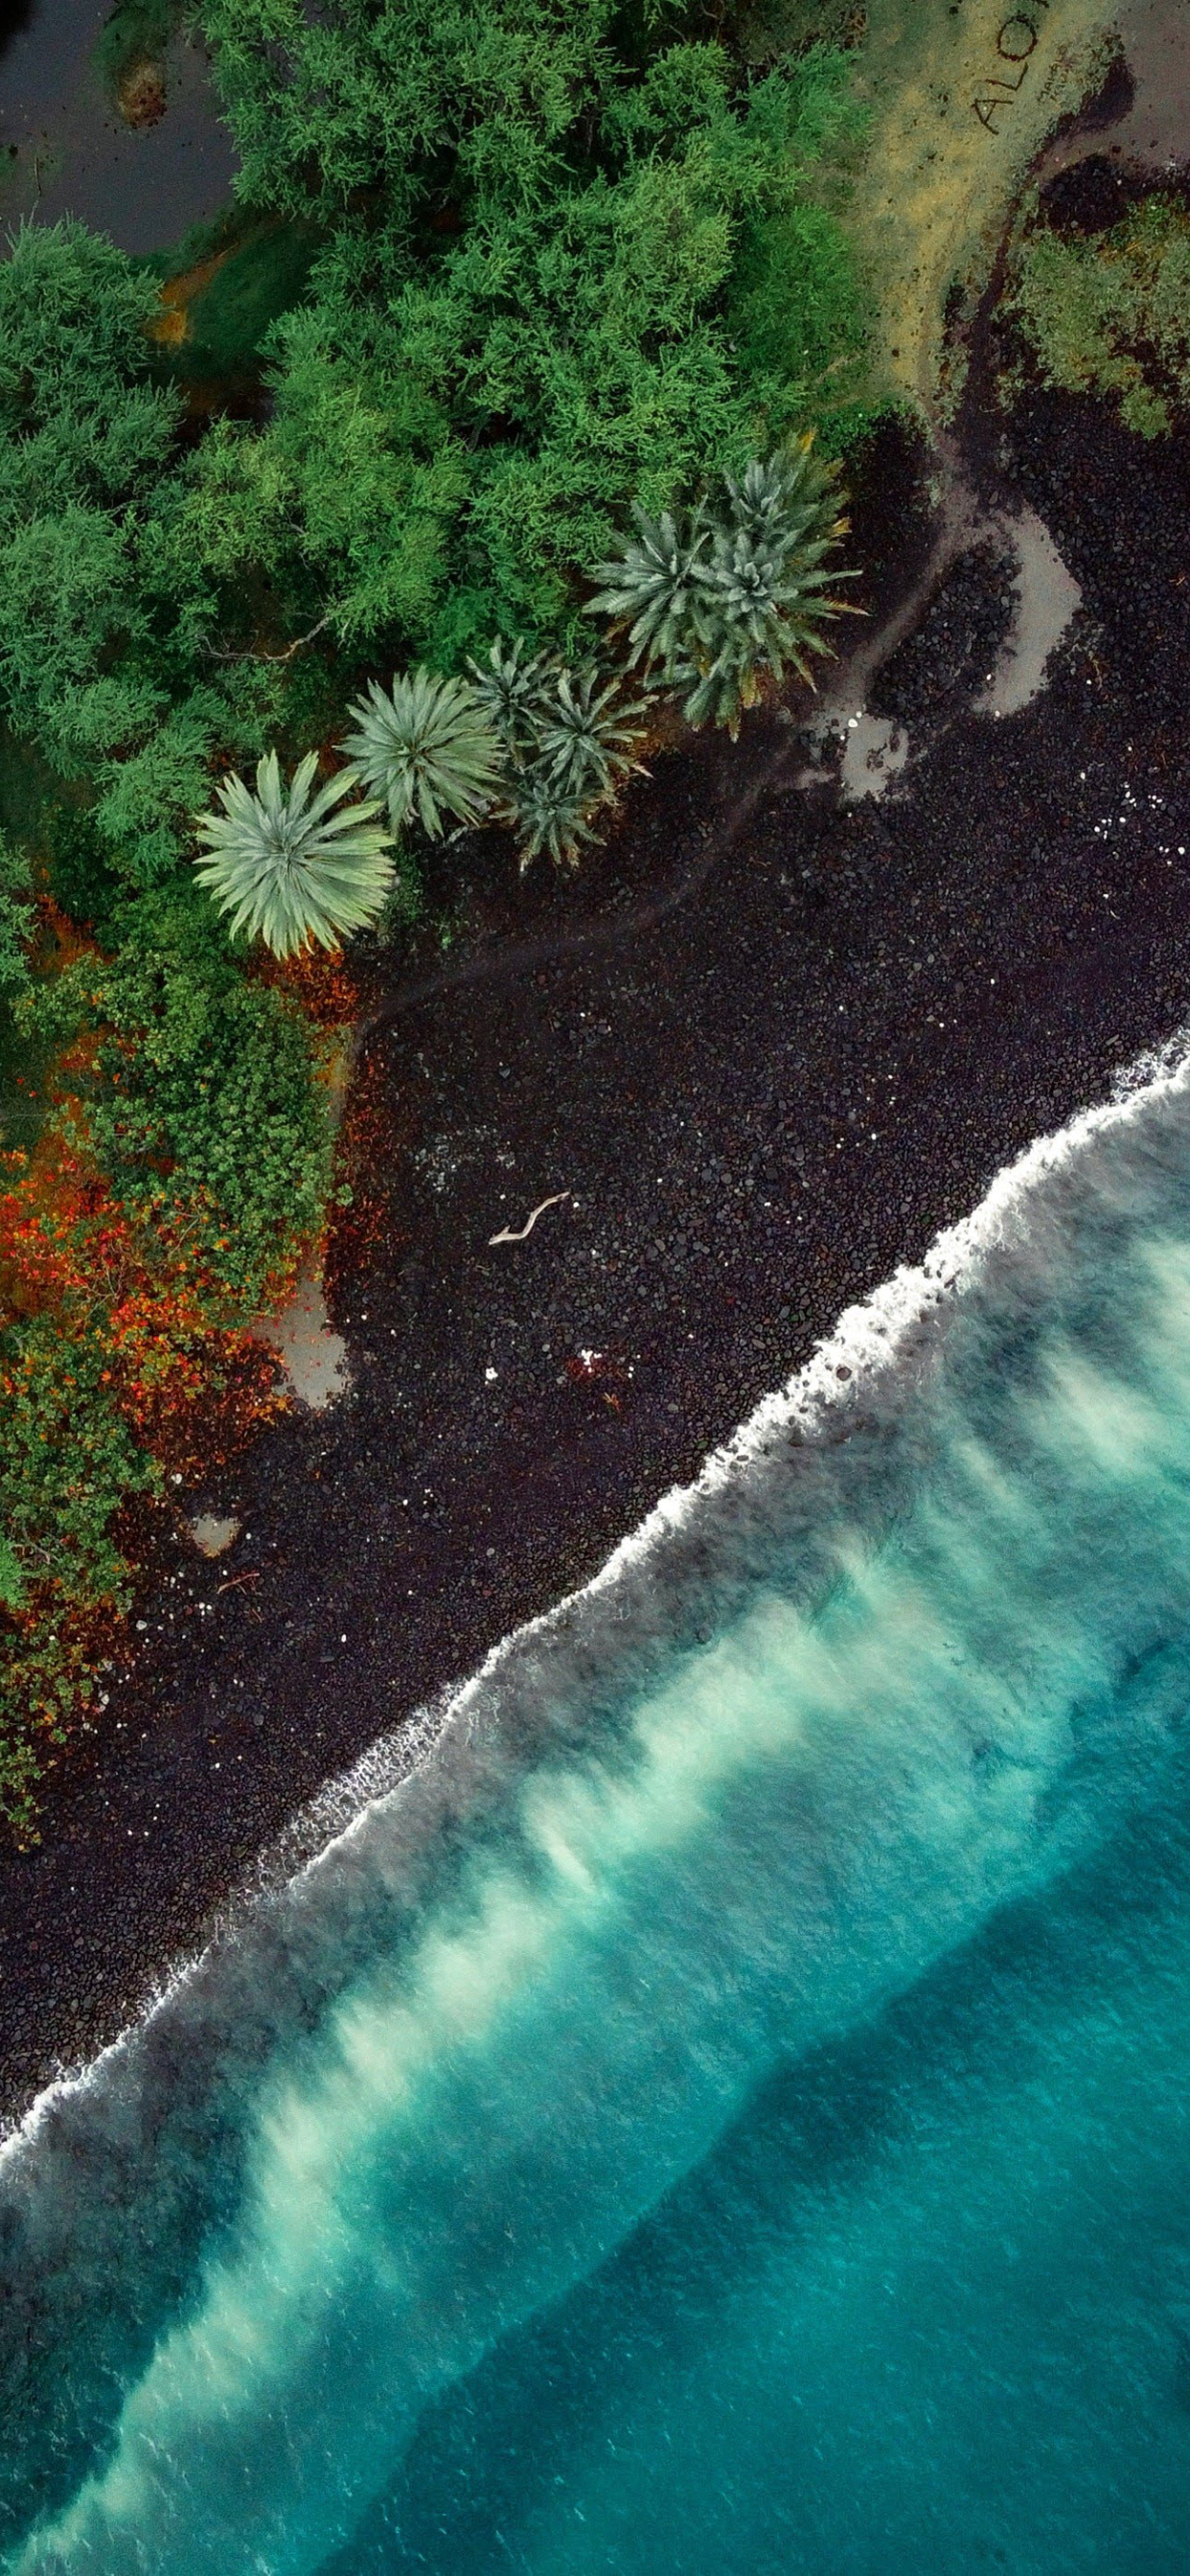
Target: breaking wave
719, 1951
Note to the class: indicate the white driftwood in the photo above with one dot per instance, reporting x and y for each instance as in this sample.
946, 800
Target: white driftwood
517, 1234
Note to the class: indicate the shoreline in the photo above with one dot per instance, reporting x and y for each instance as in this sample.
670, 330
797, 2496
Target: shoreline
854, 1380
853, 1366
755, 1130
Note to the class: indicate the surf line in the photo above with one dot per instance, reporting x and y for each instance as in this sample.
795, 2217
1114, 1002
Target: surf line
867, 1339
1016, 42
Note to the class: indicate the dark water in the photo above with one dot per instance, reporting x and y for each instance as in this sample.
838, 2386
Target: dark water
730, 2109
64, 149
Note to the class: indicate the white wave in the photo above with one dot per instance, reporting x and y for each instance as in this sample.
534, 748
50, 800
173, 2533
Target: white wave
866, 1343
868, 1340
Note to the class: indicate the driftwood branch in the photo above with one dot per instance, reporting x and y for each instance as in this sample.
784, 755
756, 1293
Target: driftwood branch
288, 654
517, 1234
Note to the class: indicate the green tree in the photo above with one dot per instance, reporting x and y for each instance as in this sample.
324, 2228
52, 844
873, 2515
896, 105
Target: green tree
734, 594
286, 866
528, 308
428, 748
80, 420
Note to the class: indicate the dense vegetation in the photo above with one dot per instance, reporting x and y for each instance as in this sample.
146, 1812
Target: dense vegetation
1110, 312
528, 266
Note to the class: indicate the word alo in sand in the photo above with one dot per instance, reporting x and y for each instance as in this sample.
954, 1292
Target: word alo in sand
1017, 40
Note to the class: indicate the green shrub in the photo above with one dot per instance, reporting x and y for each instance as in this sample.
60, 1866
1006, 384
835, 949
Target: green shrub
800, 322
571, 740
586, 734
1111, 314
12, 1580
16, 919
67, 1464
204, 1108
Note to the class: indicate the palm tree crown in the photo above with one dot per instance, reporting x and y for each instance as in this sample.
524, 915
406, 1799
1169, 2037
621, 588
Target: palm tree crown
648, 588
742, 593
547, 814
288, 867
572, 741
428, 747
509, 686
586, 735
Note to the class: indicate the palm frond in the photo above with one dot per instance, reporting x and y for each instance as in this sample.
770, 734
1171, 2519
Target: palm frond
286, 865
428, 747
648, 587
586, 735
509, 686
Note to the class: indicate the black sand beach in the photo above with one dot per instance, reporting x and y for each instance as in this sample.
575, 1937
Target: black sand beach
759, 1105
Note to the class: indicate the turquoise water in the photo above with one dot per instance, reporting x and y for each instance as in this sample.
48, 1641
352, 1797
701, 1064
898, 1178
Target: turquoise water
729, 2109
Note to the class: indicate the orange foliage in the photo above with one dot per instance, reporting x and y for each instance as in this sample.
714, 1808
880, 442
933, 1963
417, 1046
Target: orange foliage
172, 325
365, 1146
69, 1248
319, 980
69, 941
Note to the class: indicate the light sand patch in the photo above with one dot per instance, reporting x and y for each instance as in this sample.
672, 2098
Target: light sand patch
874, 751
963, 98
312, 1354
141, 96
1156, 131
1046, 599
1156, 36
214, 1532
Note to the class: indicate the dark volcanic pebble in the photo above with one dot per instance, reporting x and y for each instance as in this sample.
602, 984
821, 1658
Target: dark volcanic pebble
956, 645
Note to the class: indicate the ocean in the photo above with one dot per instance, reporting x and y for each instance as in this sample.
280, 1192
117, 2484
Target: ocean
718, 2100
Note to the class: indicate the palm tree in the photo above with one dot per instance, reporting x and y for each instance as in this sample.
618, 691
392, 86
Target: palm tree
546, 814
649, 587
789, 500
509, 686
744, 594
286, 866
749, 623
585, 734
573, 740
428, 746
